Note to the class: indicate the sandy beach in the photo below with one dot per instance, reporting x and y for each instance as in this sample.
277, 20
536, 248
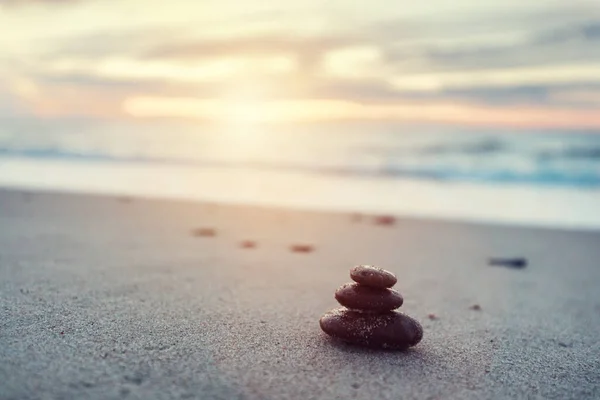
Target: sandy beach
109, 298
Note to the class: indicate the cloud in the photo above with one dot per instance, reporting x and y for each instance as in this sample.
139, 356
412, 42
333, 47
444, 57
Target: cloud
513, 39
102, 44
89, 81
520, 56
551, 95
553, 46
306, 51
14, 96
490, 75
565, 95
407, 48
310, 110
154, 48
10, 105
588, 31
363, 91
265, 44
29, 2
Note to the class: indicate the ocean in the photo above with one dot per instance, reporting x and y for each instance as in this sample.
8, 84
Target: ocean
538, 178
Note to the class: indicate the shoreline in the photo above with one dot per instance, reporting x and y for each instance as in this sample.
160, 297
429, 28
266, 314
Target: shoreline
510, 208
372, 214
505, 205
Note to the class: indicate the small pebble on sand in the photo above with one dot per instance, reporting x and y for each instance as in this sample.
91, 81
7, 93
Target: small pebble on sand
475, 307
248, 244
432, 316
302, 248
204, 232
385, 220
514, 263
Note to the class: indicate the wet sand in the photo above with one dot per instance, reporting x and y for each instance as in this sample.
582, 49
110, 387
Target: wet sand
101, 298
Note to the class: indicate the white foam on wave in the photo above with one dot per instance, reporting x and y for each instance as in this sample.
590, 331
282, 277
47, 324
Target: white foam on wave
506, 204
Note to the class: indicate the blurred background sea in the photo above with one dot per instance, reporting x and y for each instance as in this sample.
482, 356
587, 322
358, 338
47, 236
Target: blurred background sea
535, 177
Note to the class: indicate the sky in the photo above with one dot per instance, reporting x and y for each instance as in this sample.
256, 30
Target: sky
517, 63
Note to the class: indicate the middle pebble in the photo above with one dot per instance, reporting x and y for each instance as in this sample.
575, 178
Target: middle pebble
365, 298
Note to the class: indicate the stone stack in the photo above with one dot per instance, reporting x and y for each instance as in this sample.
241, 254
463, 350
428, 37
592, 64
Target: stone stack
367, 317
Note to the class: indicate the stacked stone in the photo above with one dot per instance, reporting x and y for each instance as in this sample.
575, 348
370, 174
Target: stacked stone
367, 317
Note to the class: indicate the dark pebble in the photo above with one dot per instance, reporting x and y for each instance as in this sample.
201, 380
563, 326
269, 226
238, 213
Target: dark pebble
516, 263
365, 298
369, 275
390, 330
475, 307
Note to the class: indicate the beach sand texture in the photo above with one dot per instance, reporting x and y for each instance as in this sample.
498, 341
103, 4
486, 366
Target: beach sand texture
106, 299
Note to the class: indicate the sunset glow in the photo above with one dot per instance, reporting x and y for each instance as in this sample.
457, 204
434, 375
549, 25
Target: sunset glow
508, 63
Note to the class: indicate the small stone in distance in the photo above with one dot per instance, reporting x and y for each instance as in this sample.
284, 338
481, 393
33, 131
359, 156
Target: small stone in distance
302, 248
385, 220
248, 244
204, 232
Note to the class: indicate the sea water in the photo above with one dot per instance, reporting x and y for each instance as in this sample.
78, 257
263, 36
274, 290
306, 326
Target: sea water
542, 178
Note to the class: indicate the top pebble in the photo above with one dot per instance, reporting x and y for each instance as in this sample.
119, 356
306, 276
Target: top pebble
372, 276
